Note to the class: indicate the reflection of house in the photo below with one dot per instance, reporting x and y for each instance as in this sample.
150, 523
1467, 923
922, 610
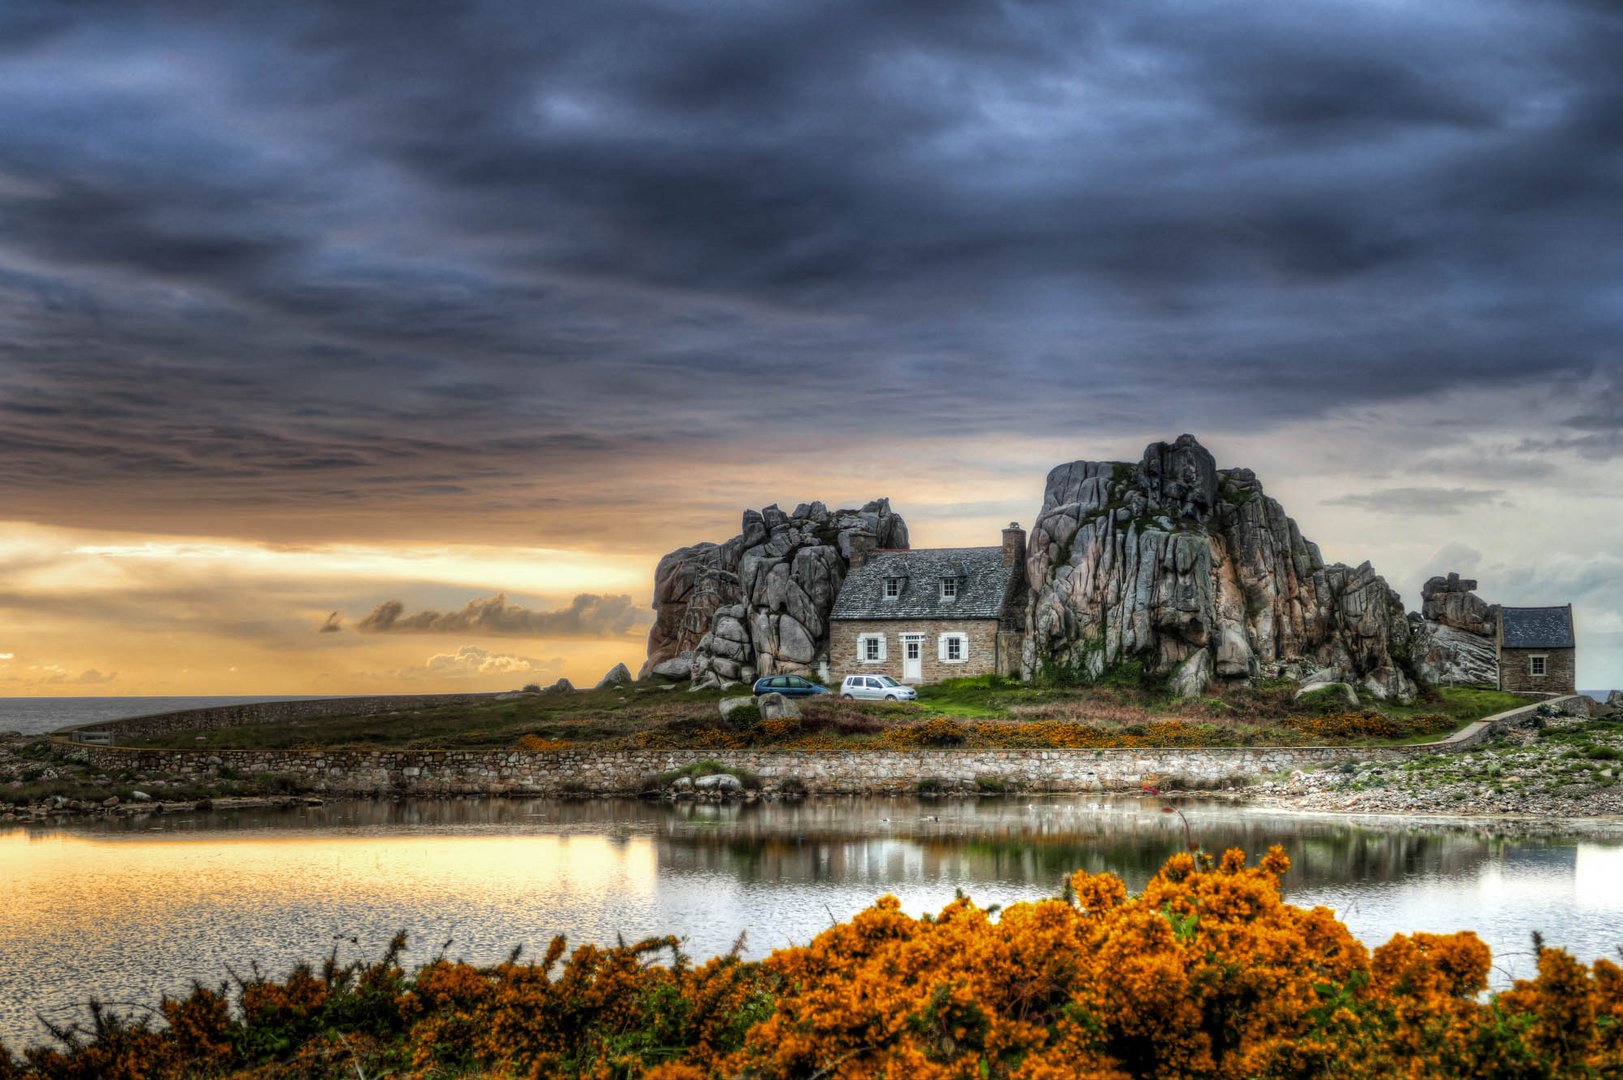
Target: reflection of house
1537, 650
931, 613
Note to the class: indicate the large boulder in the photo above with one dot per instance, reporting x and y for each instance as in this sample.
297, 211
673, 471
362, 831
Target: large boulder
777, 707
677, 667
618, 675
758, 604
1445, 655
1454, 633
1171, 559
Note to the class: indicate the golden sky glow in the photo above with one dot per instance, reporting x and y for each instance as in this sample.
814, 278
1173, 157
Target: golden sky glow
110, 612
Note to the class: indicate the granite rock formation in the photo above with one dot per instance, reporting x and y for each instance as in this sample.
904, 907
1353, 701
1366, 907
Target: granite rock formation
758, 604
1451, 601
1454, 634
1198, 574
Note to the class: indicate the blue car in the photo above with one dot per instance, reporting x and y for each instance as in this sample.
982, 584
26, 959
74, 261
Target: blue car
788, 686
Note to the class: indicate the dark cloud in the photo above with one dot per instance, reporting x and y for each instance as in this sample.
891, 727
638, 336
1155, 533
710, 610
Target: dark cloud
333, 625
324, 267
586, 616
1412, 501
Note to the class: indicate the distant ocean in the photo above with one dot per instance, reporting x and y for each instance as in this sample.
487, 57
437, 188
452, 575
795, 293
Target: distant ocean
32, 715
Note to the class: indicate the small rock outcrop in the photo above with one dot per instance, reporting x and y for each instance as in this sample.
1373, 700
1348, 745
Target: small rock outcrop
1197, 573
1452, 601
778, 707
758, 604
729, 705
618, 675
1453, 634
562, 686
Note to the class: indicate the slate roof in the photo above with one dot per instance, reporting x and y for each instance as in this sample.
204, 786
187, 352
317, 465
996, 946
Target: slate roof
1537, 627
983, 583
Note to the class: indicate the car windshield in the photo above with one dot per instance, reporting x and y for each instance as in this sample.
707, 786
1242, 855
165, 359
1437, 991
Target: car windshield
886, 680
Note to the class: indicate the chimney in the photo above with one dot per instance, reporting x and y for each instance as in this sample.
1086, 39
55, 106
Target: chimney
1014, 545
861, 544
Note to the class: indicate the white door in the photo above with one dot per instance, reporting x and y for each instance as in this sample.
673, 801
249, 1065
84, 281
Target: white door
912, 659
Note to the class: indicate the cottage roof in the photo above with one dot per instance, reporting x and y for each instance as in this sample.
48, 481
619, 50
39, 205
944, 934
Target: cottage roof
982, 575
1537, 627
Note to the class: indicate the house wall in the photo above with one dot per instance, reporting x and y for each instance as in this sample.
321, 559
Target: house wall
1560, 667
980, 657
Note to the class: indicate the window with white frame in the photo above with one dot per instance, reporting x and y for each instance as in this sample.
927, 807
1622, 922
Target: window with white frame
893, 588
949, 588
1536, 665
953, 648
871, 648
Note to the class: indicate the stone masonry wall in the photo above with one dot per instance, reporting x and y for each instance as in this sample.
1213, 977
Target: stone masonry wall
272, 712
622, 772
980, 657
1560, 674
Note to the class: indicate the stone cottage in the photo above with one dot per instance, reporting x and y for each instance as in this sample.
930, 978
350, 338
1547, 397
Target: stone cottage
1537, 649
927, 614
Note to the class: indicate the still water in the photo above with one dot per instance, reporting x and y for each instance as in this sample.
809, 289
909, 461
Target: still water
127, 909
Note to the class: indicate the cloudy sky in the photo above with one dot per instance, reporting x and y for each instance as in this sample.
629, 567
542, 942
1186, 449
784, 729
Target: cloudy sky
352, 347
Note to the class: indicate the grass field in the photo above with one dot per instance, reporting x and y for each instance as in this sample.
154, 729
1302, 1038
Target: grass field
984, 711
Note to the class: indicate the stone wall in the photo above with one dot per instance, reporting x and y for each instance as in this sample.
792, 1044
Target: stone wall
620, 772
623, 772
980, 658
1560, 670
269, 712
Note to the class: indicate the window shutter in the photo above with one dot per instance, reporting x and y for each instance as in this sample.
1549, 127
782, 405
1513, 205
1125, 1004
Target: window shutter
941, 647
882, 655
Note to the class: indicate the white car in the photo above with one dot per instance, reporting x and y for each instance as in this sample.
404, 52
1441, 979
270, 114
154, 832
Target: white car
876, 687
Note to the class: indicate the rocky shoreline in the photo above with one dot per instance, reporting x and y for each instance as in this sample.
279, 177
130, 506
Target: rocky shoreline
1555, 767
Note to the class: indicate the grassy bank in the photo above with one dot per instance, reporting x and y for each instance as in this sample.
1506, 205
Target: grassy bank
1205, 974
985, 712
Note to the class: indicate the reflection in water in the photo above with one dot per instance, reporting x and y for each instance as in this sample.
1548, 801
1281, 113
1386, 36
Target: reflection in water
124, 909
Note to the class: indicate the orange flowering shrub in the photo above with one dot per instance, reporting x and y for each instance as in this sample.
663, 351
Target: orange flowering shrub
540, 744
1206, 973
1337, 727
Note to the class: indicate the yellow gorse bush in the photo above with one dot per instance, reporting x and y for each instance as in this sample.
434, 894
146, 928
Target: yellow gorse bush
1206, 973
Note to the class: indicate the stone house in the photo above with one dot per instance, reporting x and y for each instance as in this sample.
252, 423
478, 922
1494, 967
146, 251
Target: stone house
1537, 649
925, 614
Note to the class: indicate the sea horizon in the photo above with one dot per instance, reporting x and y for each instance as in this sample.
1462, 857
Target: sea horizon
39, 715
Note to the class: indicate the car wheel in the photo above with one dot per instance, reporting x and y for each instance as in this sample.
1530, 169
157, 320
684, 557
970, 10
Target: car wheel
847, 697
890, 697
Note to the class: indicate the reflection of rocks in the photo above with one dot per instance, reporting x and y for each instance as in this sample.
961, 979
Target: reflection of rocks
1197, 573
758, 604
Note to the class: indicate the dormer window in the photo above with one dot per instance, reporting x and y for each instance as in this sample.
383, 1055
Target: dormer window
893, 588
949, 588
